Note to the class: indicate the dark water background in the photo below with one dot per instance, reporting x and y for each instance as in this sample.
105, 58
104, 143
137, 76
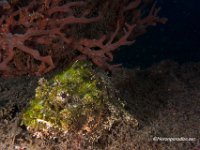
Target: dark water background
178, 39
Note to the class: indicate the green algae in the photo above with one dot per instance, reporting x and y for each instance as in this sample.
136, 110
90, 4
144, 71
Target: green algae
75, 100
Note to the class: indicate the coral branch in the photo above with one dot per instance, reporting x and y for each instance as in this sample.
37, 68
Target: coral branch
104, 53
38, 35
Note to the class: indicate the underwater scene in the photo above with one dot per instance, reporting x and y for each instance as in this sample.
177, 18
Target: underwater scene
99, 75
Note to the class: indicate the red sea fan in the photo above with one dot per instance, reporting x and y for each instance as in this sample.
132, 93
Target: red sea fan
38, 35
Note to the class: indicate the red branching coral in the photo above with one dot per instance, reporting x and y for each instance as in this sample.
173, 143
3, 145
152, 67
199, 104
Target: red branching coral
38, 35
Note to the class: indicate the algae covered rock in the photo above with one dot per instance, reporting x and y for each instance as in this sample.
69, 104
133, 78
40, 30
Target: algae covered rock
76, 100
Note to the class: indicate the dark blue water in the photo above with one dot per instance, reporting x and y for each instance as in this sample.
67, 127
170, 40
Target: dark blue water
178, 39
